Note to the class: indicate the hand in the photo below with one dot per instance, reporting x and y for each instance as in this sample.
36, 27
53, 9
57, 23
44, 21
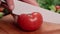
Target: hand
11, 3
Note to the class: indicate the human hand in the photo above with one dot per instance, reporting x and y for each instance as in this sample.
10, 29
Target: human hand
11, 3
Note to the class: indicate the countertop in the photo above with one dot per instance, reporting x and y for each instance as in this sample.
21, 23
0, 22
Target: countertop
8, 26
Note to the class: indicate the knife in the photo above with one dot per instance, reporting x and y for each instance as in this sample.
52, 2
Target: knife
48, 16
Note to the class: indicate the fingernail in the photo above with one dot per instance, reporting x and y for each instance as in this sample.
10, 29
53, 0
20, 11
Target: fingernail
11, 7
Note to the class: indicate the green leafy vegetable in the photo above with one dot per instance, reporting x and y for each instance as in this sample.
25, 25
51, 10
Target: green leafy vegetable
49, 4
52, 8
4, 12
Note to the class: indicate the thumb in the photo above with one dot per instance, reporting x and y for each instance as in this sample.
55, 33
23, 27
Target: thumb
10, 4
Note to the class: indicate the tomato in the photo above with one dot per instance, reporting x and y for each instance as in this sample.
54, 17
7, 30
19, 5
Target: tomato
30, 22
57, 7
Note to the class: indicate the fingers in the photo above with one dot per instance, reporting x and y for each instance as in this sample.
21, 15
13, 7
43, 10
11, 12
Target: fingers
10, 4
33, 2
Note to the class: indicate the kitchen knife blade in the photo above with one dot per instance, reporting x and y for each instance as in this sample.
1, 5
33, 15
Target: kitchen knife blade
48, 16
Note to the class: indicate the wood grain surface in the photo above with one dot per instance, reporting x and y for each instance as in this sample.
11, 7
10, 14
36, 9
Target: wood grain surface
8, 26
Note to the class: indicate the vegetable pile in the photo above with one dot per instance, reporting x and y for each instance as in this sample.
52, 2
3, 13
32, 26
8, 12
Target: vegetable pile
4, 10
53, 5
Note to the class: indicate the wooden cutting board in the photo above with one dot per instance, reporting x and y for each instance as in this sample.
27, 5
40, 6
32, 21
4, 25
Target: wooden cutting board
8, 26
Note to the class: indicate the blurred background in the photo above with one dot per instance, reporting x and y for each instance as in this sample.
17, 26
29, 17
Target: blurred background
53, 5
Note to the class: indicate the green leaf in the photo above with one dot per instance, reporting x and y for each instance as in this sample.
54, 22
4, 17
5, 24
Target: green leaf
45, 3
56, 2
52, 8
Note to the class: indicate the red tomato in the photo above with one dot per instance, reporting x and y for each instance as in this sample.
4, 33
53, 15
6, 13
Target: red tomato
30, 22
57, 7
